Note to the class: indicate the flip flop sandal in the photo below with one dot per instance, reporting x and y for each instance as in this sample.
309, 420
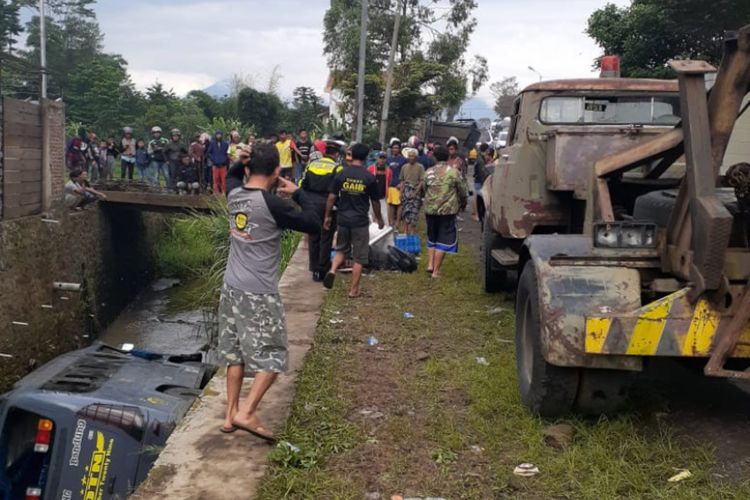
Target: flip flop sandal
328, 280
257, 433
429, 271
227, 430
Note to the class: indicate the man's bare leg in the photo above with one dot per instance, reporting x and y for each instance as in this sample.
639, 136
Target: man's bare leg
246, 416
475, 208
431, 259
392, 213
356, 277
438, 262
235, 374
338, 261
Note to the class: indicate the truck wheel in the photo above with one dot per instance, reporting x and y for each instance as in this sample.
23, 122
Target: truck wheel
546, 390
493, 279
603, 392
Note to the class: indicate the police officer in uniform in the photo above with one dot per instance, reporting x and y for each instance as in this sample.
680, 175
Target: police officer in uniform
316, 183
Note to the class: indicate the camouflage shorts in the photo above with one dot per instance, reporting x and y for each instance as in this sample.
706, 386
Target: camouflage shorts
252, 331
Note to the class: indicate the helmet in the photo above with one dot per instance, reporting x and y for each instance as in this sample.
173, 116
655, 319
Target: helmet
413, 140
334, 146
127, 130
394, 140
338, 136
176, 131
155, 130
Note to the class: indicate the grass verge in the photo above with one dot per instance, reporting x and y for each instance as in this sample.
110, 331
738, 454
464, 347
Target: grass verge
417, 415
195, 249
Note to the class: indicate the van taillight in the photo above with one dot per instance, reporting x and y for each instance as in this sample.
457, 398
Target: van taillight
43, 436
33, 493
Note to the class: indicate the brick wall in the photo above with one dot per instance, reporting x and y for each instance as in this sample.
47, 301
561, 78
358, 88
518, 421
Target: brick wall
55, 116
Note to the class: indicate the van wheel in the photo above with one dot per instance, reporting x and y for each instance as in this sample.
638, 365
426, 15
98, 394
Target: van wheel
493, 279
603, 392
547, 390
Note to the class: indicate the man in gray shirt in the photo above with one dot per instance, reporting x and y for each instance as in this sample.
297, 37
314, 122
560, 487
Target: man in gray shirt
252, 327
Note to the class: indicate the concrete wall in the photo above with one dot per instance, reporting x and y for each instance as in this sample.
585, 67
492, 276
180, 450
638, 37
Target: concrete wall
108, 250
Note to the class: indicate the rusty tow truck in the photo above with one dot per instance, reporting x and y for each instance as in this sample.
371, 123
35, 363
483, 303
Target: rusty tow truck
632, 241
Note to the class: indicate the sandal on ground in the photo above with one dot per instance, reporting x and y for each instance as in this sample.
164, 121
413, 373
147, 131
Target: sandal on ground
430, 271
259, 431
328, 280
227, 430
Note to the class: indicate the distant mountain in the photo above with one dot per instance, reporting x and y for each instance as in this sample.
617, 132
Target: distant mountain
218, 89
477, 108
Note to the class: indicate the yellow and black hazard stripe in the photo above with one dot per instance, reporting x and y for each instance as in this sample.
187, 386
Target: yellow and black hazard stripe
670, 326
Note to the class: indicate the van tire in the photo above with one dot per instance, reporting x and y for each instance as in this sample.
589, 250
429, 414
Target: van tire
546, 390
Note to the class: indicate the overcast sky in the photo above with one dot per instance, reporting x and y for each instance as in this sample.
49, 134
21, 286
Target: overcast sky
188, 44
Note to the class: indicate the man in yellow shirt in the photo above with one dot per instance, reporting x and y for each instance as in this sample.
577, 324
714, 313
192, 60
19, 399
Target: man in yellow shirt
284, 145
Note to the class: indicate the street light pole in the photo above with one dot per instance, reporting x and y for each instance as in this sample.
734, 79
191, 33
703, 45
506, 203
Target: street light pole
361, 75
43, 48
389, 77
538, 73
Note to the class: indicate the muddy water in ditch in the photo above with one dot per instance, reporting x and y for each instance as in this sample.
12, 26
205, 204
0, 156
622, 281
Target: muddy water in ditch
149, 323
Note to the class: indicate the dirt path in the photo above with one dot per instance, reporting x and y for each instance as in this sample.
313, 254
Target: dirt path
433, 410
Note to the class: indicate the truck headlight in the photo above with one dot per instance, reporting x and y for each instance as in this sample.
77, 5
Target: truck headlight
625, 235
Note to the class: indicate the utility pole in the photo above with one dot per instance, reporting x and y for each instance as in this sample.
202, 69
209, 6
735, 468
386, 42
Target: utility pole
361, 75
43, 48
389, 77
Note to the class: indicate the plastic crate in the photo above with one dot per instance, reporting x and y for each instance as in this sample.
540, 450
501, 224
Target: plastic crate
409, 243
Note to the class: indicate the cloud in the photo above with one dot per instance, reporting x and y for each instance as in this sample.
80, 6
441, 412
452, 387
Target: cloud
188, 44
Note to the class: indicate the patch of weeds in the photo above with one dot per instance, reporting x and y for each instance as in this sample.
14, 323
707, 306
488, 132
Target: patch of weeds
442, 456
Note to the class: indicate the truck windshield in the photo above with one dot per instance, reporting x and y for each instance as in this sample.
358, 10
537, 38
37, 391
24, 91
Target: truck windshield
25, 448
611, 110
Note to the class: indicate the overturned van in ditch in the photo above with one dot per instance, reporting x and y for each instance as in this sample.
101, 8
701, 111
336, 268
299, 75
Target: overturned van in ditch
89, 424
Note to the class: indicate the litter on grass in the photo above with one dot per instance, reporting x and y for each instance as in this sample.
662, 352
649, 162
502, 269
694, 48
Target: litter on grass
336, 321
495, 310
483, 361
289, 445
408, 315
680, 476
372, 341
526, 470
475, 448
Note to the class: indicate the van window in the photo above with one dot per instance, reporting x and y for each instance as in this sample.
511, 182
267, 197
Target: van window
611, 110
24, 464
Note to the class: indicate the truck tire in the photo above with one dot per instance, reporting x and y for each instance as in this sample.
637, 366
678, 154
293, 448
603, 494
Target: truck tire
603, 392
493, 279
656, 207
547, 390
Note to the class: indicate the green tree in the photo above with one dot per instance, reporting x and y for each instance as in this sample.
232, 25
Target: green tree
648, 33
306, 109
504, 92
261, 110
429, 77
10, 24
100, 94
73, 37
210, 106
